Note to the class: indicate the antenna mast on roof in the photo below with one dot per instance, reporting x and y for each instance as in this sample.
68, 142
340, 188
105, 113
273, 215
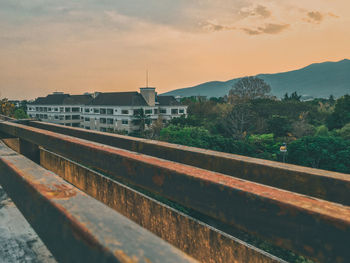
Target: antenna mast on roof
147, 78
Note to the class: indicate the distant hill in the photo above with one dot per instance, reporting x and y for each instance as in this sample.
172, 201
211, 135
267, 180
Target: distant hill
317, 80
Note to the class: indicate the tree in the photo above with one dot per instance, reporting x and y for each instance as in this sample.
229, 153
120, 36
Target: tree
294, 96
6, 107
239, 121
345, 132
279, 125
20, 114
249, 88
329, 153
141, 120
155, 128
341, 114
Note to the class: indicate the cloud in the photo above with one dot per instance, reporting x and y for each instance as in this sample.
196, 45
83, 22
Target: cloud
272, 29
258, 11
262, 11
214, 26
317, 17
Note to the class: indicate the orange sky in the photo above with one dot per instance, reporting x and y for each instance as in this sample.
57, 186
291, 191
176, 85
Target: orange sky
84, 46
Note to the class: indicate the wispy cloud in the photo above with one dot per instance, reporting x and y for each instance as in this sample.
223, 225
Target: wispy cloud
215, 26
257, 11
272, 29
317, 17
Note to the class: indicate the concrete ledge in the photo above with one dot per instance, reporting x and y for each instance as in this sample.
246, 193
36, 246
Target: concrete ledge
315, 228
197, 239
330, 186
74, 226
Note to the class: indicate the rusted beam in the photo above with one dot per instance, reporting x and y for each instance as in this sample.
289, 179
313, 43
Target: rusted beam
74, 226
197, 239
330, 186
315, 228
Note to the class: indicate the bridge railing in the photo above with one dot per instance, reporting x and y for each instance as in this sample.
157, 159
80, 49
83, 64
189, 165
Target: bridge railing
316, 228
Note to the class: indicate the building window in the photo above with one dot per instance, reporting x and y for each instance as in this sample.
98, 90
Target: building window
75, 109
102, 111
162, 111
61, 109
87, 119
182, 111
76, 117
125, 122
109, 111
102, 120
86, 110
96, 110
125, 112
67, 109
87, 127
75, 124
56, 117
174, 111
102, 129
116, 110
155, 111
68, 117
56, 109
148, 111
48, 109
110, 121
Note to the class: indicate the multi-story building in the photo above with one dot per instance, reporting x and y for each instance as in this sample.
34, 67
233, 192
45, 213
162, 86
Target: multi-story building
59, 108
112, 112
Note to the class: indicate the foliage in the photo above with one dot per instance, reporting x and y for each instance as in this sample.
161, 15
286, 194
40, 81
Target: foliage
345, 132
294, 96
322, 131
141, 120
341, 114
329, 153
6, 107
279, 125
248, 88
20, 114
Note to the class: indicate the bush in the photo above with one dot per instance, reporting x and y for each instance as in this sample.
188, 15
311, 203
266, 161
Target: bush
329, 153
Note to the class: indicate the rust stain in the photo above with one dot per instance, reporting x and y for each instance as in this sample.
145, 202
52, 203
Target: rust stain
158, 179
56, 191
124, 258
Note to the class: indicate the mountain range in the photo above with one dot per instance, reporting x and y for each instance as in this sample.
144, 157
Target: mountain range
319, 80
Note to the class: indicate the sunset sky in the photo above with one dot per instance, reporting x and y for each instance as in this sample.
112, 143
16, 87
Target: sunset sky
78, 46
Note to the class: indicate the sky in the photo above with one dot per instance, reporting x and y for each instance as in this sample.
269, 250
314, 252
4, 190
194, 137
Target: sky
78, 46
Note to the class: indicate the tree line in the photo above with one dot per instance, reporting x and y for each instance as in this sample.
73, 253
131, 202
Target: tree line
251, 122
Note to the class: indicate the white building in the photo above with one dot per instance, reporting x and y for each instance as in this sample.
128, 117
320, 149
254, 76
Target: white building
116, 111
59, 108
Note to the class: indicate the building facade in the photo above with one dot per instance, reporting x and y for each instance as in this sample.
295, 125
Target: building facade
107, 112
59, 108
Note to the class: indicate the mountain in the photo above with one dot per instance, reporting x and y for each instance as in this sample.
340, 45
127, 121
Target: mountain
316, 80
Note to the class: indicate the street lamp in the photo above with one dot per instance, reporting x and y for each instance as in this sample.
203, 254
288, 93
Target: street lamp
283, 150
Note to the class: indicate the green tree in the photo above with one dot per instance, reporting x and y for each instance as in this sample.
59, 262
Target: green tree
20, 114
141, 120
279, 125
341, 114
294, 97
345, 132
329, 153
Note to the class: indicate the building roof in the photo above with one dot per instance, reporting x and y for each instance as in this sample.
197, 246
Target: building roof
167, 101
119, 99
62, 99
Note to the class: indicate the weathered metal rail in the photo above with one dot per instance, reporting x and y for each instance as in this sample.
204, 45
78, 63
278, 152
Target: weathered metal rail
74, 226
330, 186
312, 227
